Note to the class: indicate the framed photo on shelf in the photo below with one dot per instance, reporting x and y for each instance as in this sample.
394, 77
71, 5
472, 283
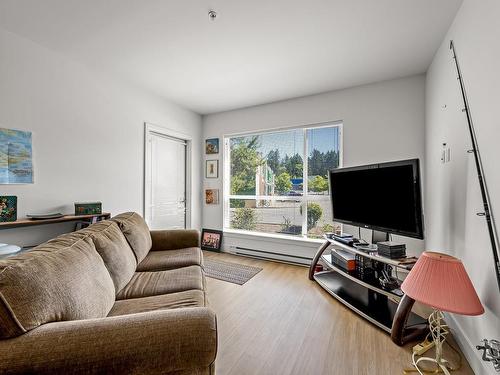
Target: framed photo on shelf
211, 239
212, 146
212, 196
8, 208
212, 169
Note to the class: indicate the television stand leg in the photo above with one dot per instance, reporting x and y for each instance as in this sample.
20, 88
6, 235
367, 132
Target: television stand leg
317, 257
400, 333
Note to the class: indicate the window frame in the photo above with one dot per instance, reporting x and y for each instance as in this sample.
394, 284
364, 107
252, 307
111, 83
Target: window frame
305, 194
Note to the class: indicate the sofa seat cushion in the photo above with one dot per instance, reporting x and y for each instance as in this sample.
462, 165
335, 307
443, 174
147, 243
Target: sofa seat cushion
145, 284
63, 279
189, 298
114, 249
136, 232
168, 259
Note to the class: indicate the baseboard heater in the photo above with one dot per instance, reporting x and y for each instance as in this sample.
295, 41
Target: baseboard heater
269, 255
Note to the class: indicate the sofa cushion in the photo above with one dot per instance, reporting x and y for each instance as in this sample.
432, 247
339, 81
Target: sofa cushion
63, 279
170, 239
114, 249
145, 284
168, 259
136, 231
189, 298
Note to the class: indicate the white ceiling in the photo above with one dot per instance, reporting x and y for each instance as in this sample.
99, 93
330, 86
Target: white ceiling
257, 51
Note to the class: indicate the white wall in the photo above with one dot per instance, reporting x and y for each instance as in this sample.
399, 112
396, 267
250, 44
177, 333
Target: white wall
452, 190
87, 135
382, 122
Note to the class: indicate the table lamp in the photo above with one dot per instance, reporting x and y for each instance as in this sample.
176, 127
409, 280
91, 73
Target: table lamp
441, 282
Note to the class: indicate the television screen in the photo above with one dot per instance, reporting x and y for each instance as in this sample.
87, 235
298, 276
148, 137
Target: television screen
384, 197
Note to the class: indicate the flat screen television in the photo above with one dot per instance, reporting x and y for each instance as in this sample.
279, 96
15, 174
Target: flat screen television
384, 197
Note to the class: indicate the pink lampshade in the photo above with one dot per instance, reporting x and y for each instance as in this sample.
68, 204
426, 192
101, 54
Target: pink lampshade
440, 281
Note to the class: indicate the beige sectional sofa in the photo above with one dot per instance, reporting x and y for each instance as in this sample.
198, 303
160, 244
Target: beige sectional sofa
112, 298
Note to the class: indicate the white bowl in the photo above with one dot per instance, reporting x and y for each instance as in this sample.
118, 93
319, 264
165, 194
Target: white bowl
8, 249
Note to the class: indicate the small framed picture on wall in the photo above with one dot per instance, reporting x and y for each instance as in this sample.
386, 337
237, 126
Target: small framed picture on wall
211, 239
212, 146
212, 169
212, 196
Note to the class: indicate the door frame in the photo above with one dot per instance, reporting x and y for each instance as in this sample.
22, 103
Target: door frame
169, 133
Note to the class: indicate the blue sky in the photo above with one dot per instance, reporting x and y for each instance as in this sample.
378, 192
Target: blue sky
291, 142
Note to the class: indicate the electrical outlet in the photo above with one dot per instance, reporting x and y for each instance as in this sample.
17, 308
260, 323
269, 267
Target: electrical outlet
445, 154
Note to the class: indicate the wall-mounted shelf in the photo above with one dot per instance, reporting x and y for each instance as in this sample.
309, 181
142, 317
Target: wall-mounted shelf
66, 218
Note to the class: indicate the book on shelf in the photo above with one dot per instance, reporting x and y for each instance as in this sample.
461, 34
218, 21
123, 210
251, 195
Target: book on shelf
344, 259
365, 268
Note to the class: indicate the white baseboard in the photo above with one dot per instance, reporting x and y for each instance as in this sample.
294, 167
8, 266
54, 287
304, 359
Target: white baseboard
472, 355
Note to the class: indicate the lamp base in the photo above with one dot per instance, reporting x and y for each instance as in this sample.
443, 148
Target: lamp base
439, 330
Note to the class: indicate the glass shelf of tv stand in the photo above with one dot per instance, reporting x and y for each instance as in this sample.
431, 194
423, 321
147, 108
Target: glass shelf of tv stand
395, 294
373, 306
406, 263
368, 300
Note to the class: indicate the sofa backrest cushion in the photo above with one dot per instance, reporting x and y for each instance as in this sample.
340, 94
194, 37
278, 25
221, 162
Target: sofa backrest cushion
115, 251
63, 279
137, 233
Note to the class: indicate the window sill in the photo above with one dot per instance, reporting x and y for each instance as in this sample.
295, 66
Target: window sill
272, 237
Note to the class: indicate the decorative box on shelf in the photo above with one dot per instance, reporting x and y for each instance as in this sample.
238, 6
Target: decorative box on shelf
88, 208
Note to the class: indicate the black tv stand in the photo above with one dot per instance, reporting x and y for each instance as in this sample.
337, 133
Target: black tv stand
389, 310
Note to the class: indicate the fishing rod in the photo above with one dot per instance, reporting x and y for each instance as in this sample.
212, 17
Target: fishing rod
488, 215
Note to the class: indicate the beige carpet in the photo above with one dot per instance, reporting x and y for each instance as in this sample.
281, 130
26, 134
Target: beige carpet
231, 272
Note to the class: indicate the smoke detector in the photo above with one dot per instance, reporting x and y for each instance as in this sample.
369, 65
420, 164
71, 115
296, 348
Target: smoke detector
212, 15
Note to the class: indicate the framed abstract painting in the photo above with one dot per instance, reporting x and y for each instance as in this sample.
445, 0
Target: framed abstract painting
211, 196
212, 169
212, 146
16, 153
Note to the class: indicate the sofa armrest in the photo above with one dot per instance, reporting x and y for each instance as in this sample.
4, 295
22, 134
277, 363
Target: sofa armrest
174, 239
183, 340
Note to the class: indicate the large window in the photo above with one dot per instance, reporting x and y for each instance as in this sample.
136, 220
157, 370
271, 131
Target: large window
277, 182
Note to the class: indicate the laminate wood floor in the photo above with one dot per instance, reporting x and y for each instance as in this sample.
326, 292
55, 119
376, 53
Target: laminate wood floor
282, 323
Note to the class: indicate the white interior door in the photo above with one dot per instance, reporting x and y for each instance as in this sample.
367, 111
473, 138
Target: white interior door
166, 181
